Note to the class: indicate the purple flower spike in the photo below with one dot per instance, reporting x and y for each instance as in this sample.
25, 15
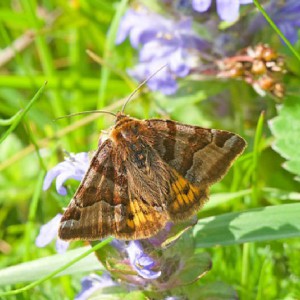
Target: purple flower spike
92, 283
228, 10
48, 232
141, 262
162, 81
74, 167
162, 42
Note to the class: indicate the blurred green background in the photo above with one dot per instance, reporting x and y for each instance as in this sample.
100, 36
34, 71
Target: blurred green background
48, 41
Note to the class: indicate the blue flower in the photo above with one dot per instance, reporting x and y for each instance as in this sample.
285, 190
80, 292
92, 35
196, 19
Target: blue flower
48, 232
92, 283
285, 16
74, 167
228, 10
162, 42
141, 262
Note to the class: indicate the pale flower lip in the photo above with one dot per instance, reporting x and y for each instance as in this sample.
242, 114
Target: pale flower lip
140, 261
74, 166
92, 283
48, 232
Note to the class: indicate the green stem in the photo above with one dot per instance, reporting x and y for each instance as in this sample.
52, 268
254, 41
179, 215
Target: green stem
24, 82
276, 29
32, 213
245, 271
30, 7
256, 154
22, 114
57, 271
108, 47
6, 122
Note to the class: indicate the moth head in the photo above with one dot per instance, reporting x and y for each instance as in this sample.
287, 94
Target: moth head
126, 130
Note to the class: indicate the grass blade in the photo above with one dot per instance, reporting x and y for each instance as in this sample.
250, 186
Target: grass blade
22, 114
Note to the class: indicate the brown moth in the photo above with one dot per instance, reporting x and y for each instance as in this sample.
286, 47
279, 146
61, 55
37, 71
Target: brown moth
146, 173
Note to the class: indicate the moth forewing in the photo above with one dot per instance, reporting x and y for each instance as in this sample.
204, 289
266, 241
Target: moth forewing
146, 173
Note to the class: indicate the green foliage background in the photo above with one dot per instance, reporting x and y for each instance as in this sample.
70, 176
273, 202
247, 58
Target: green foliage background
250, 224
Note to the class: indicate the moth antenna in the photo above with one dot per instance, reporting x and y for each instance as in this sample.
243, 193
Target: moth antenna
87, 112
140, 85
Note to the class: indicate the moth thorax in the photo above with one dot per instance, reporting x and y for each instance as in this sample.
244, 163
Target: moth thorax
126, 133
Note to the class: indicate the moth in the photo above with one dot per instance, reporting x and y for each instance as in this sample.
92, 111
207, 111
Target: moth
146, 173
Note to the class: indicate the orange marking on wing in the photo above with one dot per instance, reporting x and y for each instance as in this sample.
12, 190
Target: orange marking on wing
175, 206
186, 199
130, 223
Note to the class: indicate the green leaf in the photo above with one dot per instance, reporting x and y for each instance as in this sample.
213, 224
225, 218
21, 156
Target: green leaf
218, 199
195, 267
116, 293
135, 295
280, 194
260, 224
110, 293
36, 269
285, 128
212, 291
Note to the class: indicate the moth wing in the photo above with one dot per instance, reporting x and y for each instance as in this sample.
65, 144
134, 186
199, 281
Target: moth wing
185, 198
103, 204
202, 156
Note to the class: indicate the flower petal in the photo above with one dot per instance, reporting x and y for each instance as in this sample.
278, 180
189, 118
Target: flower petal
164, 41
140, 261
74, 167
149, 274
146, 262
50, 176
92, 283
155, 50
61, 245
246, 1
289, 31
48, 231
178, 64
201, 5
126, 24
228, 10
